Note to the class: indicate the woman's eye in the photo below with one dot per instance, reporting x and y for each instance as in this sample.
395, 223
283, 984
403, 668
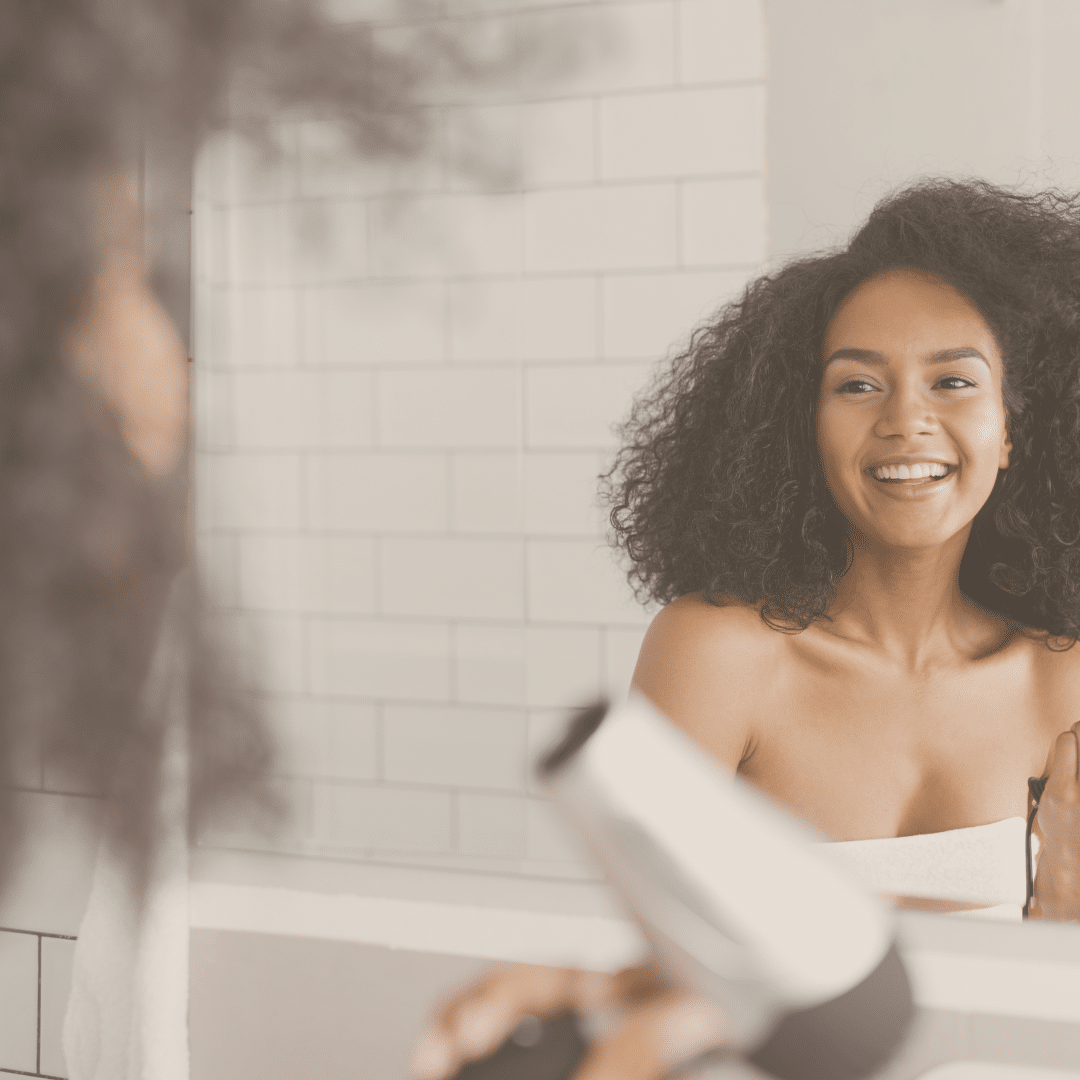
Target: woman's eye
855, 386
957, 382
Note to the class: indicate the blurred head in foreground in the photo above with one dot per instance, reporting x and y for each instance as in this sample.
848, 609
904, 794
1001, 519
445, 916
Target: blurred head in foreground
93, 470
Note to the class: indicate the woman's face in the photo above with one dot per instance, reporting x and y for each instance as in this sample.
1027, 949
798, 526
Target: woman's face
911, 425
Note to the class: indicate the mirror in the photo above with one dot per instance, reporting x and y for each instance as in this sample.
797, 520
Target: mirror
406, 381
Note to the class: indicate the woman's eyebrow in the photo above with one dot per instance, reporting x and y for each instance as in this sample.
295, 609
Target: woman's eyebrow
945, 356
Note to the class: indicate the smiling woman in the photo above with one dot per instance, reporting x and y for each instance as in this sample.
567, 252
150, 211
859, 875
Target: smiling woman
858, 492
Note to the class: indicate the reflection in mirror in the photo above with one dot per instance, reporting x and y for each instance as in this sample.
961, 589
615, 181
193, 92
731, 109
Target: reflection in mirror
846, 500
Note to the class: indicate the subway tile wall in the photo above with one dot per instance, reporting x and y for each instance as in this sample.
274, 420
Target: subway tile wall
406, 386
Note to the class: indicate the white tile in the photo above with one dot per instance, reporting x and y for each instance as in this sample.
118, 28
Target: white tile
269, 649
18, 1001
219, 567
648, 314
303, 409
489, 664
255, 327
384, 491
578, 581
331, 240
248, 491
310, 241
213, 408
678, 133
211, 244
457, 745
524, 318
558, 143
374, 323
261, 244
559, 318
493, 825
721, 40
561, 495
56, 959
424, 236
254, 833
577, 406
621, 648
562, 666
623, 227
723, 222
253, 173
382, 818
465, 407
487, 493
318, 574
317, 737
372, 658
483, 140
453, 578
485, 320
329, 166
550, 838
620, 46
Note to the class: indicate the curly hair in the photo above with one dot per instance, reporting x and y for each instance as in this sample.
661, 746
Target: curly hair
90, 541
719, 489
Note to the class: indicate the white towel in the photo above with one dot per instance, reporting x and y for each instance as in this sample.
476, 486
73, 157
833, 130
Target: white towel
127, 1014
983, 865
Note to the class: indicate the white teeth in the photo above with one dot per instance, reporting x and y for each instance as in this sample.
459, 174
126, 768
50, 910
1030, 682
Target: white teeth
910, 472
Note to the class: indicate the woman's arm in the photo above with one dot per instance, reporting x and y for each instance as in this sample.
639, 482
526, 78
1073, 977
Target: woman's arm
704, 667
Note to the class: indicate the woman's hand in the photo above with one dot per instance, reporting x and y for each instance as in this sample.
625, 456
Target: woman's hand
1057, 883
654, 1029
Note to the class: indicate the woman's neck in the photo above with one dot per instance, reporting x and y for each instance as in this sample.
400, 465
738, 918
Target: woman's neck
907, 605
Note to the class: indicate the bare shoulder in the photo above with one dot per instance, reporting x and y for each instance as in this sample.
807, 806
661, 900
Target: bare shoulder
1056, 664
704, 666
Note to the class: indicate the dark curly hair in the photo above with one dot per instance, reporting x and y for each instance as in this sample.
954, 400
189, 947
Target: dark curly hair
90, 542
719, 489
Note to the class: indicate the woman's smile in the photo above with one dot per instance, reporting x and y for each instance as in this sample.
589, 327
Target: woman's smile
913, 480
910, 411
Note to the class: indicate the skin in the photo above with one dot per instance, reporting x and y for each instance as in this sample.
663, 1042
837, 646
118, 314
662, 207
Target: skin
911, 709
125, 344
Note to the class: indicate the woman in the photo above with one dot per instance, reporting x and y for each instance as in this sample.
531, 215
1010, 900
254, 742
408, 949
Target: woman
858, 492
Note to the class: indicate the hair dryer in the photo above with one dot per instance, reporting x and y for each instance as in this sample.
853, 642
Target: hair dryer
734, 900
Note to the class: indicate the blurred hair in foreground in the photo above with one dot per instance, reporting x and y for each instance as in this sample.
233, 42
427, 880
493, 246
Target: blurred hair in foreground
90, 542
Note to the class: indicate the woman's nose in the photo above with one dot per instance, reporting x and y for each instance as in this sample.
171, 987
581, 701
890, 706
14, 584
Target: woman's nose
905, 412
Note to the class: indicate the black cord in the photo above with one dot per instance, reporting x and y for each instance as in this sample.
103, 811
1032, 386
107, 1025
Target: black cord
1036, 785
